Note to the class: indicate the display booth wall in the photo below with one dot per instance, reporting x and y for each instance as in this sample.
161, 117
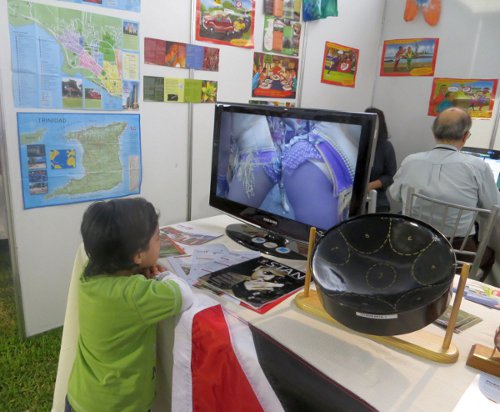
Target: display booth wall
176, 138
468, 32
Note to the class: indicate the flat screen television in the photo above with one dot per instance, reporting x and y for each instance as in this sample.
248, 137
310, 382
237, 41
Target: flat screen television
284, 170
491, 157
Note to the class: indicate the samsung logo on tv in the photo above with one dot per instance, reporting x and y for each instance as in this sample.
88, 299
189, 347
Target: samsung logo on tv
269, 220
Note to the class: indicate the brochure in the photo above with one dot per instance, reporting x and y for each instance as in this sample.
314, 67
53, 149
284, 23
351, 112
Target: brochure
256, 282
464, 320
482, 293
187, 235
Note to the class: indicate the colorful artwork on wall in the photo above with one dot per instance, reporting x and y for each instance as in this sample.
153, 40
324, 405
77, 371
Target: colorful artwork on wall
229, 22
409, 57
474, 95
340, 64
274, 76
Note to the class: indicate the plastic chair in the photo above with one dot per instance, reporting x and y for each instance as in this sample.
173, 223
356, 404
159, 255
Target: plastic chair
71, 330
439, 214
371, 201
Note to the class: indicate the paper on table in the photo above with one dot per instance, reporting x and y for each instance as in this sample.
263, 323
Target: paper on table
474, 399
207, 259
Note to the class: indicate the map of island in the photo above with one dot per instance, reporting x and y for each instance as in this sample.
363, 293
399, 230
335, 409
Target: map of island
100, 152
65, 58
70, 158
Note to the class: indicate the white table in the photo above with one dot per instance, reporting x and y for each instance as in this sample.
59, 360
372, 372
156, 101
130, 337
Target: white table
386, 378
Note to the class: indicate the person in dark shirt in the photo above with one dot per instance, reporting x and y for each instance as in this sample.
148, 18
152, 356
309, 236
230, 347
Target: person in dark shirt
384, 163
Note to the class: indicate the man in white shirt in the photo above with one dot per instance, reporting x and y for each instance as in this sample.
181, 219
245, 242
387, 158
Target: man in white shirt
446, 174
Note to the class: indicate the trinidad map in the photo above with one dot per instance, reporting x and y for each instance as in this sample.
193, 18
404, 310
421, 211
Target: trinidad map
72, 157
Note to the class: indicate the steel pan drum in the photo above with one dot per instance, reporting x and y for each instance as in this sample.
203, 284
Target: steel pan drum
384, 274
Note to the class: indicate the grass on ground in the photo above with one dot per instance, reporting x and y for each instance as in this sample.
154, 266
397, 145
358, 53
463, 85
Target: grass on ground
28, 367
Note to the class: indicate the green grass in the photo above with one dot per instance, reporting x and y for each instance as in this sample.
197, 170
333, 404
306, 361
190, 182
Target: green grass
27, 366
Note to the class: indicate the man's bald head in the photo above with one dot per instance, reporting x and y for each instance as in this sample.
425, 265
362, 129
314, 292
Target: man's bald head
451, 125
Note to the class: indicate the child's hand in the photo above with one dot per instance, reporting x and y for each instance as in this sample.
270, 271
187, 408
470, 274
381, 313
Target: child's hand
152, 271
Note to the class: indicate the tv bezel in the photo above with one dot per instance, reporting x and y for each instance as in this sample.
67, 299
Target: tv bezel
283, 226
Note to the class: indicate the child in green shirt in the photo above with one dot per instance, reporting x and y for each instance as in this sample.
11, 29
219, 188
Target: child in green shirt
120, 303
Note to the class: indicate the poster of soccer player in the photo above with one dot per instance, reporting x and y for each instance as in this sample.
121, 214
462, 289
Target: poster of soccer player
340, 64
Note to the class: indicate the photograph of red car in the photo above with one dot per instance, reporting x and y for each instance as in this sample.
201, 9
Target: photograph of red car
225, 22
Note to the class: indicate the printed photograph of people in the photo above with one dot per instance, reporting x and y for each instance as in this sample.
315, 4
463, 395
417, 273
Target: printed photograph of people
409, 57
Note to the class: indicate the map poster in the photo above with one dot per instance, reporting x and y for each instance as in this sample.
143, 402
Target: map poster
474, 95
274, 76
69, 59
409, 57
130, 5
340, 64
74, 157
229, 22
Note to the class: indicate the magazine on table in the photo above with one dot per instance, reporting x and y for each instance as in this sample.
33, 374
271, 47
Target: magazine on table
188, 235
168, 247
482, 293
255, 283
464, 320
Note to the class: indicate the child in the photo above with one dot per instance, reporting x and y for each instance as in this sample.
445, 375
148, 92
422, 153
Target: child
120, 304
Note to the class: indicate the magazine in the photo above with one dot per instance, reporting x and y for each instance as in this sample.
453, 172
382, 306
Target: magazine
188, 235
168, 247
464, 320
482, 293
256, 282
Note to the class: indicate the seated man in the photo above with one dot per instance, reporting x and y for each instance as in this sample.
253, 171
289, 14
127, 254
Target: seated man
446, 174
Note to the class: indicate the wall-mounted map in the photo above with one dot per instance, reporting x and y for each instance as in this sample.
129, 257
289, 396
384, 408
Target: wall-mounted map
72, 158
131, 5
69, 59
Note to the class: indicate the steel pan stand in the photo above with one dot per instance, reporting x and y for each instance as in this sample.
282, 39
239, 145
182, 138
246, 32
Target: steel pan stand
421, 342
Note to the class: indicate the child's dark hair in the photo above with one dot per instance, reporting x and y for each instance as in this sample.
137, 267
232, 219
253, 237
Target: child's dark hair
114, 231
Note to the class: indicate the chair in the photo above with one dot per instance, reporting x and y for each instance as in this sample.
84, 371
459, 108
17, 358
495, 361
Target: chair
371, 201
439, 214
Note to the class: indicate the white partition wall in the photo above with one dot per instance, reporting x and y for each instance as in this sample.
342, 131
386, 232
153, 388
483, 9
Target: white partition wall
468, 33
177, 138
46, 238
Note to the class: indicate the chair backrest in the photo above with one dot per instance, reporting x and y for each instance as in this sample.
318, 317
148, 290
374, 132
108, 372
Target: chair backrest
371, 201
449, 218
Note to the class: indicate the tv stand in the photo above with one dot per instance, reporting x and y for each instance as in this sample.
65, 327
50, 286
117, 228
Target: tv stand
265, 241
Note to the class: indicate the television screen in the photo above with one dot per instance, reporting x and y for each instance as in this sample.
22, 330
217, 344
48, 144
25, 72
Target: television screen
287, 169
491, 157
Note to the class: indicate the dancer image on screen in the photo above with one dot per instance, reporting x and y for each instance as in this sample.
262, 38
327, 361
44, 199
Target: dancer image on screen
249, 165
296, 168
318, 173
